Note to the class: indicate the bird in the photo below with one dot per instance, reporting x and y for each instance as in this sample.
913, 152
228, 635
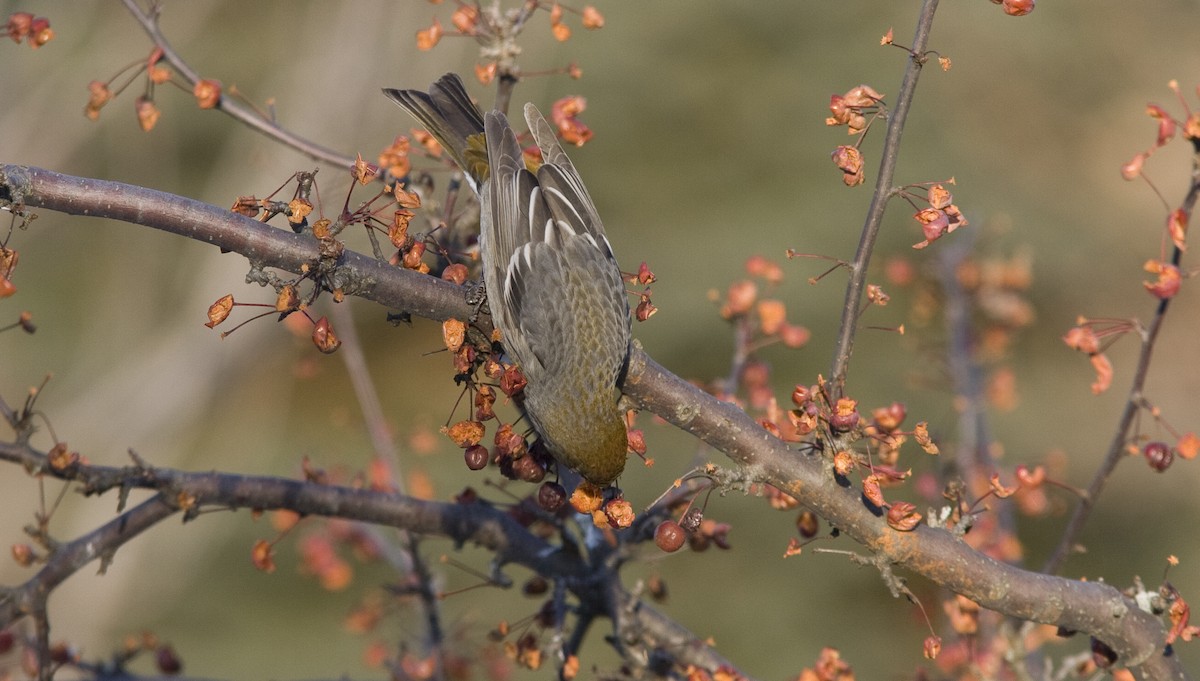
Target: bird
553, 286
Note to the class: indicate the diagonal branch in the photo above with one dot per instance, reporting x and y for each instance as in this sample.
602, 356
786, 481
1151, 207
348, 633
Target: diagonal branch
101, 543
262, 245
1133, 404
228, 105
844, 347
67, 559
1097, 609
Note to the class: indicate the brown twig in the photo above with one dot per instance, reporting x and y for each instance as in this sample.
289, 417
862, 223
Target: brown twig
1133, 405
228, 105
856, 285
742, 328
355, 361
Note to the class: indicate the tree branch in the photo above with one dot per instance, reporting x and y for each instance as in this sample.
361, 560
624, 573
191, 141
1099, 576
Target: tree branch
1097, 609
262, 245
1133, 404
479, 522
228, 105
844, 346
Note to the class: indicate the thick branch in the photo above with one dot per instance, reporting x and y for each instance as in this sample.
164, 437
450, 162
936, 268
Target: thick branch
1094, 608
263, 245
1090, 607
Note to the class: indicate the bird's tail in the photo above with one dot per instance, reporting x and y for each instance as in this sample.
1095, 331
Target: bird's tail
448, 113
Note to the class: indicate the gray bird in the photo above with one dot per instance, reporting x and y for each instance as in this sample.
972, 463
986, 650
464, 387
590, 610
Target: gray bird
554, 288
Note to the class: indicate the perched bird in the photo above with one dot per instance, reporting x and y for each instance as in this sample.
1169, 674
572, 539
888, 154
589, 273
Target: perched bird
553, 285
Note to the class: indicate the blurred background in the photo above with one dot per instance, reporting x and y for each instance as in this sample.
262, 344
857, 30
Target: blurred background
710, 147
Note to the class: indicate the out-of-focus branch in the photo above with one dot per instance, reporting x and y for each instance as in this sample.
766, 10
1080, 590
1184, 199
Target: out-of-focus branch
407, 556
972, 460
1133, 403
897, 117
1097, 609
228, 105
181, 491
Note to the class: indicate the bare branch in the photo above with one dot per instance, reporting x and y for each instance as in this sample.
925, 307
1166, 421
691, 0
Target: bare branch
883, 191
264, 246
69, 558
1133, 404
1097, 609
479, 523
230, 106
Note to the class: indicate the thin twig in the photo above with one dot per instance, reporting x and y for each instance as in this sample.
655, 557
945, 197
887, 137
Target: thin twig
384, 445
230, 106
856, 285
1133, 405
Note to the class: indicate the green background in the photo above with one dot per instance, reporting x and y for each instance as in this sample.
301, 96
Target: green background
710, 146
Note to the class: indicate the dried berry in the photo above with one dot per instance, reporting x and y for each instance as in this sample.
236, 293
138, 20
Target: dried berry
529, 469
465, 433
807, 524
536, 586
657, 588
619, 513
1159, 455
219, 311
669, 536
167, 660
800, 395
845, 416
890, 417
903, 516
932, 647
476, 457
587, 497
1017, 8
324, 337
551, 496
